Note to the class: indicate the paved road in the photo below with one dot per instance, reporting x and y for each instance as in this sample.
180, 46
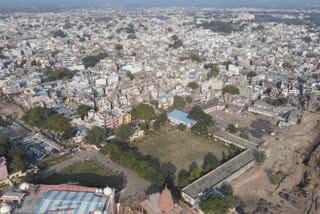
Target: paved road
133, 182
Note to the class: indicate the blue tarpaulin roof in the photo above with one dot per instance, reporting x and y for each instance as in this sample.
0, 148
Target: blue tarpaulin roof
181, 116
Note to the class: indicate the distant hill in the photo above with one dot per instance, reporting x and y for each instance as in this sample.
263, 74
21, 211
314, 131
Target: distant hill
69, 4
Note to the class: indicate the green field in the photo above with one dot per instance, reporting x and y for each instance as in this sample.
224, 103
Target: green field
181, 148
87, 173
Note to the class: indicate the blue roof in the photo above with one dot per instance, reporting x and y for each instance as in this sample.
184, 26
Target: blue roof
75, 116
74, 202
42, 93
181, 116
80, 128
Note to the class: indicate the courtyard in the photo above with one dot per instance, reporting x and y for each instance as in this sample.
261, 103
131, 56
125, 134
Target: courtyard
178, 150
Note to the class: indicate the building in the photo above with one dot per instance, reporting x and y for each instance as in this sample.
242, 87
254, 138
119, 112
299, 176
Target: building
126, 117
161, 203
209, 107
137, 134
176, 117
68, 199
3, 169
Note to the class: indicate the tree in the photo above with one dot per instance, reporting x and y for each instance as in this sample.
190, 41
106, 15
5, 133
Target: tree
251, 74
277, 178
183, 181
232, 201
189, 99
155, 103
156, 125
175, 37
38, 117
194, 174
194, 85
119, 47
198, 114
19, 158
162, 118
214, 70
95, 136
227, 63
142, 111
287, 65
232, 128
68, 133
179, 102
177, 44
210, 162
58, 74
4, 145
83, 110
129, 74
57, 123
245, 136
261, 157
59, 33
181, 127
170, 29
33, 63
214, 204
200, 129
315, 76
124, 132
307, 39
231, 89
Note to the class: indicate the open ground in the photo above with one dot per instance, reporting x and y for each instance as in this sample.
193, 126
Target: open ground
180, 148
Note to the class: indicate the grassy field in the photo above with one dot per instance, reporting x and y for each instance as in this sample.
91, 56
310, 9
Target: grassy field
181, 148
87, 173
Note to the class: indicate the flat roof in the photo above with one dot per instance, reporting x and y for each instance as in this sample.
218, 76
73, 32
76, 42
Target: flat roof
181, 116
69, 202
213, 178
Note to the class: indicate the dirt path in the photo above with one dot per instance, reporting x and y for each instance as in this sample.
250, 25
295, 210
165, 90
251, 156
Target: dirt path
287, 156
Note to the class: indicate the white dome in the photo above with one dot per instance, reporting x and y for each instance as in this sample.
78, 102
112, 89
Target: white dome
107, 191
25, 186
97, 212
5, 209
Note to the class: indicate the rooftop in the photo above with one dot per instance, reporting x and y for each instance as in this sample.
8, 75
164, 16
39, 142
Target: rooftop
181, 116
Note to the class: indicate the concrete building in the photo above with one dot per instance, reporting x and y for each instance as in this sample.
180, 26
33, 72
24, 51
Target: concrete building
176, 117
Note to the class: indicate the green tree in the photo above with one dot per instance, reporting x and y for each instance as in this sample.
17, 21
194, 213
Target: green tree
189, 99
277, 178
261, 157
214, 70
156, 125
142, 111
245, 136
183, 181
232, 128
83, 110
307, 39
59, 33
181, 127
287, 65
200, 129
68, 133
251, 74
124, 132
129, 74
175, 37
227, 63
57, 123
231, 89
198, 114
214, 204
232, 201
155, 103
95, 136
194, 85
4, 145
194, 174
119, 47
38, 117
179, 102
19, 158
33, 63
177, 44
162, 118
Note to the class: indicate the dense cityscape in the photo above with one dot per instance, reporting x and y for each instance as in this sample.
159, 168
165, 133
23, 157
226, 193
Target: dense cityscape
160, 110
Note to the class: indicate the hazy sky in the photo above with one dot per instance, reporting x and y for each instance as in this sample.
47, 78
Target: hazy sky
18, 4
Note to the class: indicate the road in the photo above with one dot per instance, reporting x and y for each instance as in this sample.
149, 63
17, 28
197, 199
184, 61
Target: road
133, 182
